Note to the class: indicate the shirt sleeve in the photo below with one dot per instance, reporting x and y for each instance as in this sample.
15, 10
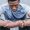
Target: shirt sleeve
2, 17
28, 12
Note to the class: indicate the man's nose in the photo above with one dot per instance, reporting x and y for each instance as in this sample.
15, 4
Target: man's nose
14, 8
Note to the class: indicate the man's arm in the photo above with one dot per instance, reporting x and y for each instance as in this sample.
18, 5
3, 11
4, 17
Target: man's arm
9, 23
26, 22
6, 23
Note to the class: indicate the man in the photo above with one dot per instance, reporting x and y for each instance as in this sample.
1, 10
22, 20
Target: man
11, 15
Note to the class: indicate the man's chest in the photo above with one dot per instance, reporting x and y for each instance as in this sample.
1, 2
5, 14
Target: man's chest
14, 17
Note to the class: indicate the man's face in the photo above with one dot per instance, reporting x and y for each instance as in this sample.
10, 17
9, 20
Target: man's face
13, 5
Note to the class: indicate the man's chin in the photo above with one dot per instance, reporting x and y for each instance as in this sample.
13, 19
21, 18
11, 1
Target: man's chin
14, 10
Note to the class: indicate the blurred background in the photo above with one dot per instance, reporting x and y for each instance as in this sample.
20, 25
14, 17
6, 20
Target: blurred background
22, 1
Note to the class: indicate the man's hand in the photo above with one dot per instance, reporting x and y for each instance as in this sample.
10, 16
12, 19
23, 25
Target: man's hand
21, 24
27, 23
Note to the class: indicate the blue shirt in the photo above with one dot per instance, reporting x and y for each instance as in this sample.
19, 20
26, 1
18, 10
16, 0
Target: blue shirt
8, 14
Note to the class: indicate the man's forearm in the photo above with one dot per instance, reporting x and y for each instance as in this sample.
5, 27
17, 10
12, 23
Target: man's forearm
12, 24
2, 23
8, 23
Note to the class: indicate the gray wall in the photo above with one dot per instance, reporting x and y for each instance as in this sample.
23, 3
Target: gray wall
22, 1
26, 2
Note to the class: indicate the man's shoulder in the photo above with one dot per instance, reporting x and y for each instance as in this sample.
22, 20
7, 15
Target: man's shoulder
25, 6
3, 7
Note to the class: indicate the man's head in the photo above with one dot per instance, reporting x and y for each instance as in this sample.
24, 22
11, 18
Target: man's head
13, 4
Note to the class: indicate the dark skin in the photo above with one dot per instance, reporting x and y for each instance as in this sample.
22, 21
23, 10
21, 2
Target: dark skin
13, 5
